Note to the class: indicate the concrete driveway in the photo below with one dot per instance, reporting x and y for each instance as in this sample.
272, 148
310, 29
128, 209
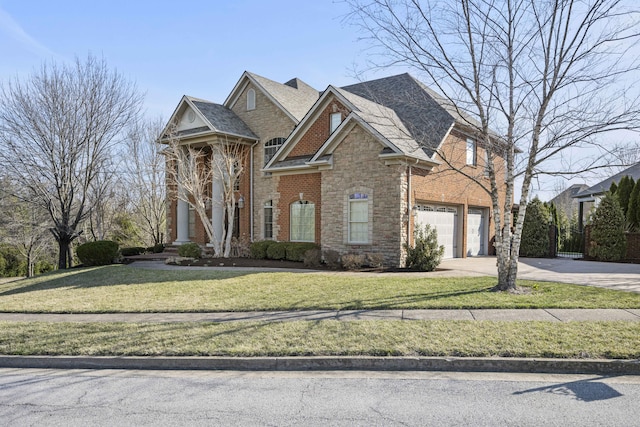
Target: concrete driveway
619, 276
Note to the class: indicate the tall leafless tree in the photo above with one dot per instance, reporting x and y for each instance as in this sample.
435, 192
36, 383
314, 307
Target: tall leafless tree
194, 170
57, 130
144, 176
536, 77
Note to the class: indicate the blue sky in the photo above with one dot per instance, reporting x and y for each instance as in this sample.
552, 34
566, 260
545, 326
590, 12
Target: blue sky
197, 48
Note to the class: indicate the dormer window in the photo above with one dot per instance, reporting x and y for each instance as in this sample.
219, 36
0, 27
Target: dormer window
251, 99
336, 119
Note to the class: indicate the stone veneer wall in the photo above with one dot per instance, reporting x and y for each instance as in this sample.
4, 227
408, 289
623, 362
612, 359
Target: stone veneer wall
357, 168
267, 121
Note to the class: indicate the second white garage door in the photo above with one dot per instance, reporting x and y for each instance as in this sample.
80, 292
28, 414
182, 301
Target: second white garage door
445, 221
475, 232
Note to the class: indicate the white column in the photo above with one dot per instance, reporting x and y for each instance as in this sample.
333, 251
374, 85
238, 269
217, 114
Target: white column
182, 223
217, 199
182, 217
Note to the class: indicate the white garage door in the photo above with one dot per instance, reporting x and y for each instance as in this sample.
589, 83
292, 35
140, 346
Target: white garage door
475, 233
445, 221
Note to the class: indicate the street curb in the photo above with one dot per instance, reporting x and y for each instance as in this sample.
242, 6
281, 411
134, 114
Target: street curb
329, 363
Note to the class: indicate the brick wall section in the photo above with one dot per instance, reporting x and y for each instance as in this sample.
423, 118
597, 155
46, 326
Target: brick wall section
267, 121
318, 132
289, 188
443, 185
633, 247
357, 168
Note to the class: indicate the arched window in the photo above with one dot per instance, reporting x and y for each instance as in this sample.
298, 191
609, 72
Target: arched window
251, 99
271, 148
358, 218
303, 221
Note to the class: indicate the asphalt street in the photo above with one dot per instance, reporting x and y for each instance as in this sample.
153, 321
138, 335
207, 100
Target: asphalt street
166, 398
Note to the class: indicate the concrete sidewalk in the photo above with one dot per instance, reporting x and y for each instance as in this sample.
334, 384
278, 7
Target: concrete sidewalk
512, 315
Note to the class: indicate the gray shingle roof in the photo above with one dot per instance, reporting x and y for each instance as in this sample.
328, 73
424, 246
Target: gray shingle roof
387, 123
603, 186
425, 115
295, 96
223, 119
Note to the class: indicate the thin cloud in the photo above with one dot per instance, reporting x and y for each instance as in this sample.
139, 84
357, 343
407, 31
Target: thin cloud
12, 28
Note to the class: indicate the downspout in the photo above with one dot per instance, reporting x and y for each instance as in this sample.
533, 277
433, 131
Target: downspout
409, 207
251, 193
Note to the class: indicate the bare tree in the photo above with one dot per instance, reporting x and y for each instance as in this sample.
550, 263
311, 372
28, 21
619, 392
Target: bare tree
23, 226
199, 172
57, 130
542, 78
144, 176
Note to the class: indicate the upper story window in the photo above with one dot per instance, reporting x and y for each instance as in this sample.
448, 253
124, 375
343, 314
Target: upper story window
251, 99
271, 147
335, 120
472, 152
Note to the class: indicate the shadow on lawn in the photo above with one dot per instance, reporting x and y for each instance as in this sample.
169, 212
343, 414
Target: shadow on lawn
401, 301
111, 275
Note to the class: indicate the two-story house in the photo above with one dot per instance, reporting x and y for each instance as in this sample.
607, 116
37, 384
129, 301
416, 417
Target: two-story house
353, 169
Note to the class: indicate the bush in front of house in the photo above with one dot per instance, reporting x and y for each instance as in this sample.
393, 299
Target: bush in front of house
277, 250
190, 250
131, 251
312, 258
258, 249
157, 248
296, 250
426, 254
374, 260
607, 241
534, 242
353, 261
331, 258
101, 252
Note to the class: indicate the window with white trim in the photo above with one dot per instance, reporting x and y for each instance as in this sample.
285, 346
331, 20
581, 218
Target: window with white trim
251, 99
358, 218
335, 120
472, 155
303, 221
268, 219
271, 147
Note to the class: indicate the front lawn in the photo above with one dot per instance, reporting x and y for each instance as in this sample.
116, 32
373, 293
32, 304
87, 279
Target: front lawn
614, 340
119, 288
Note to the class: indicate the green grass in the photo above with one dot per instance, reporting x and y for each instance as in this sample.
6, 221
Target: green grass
616, 340
119, 288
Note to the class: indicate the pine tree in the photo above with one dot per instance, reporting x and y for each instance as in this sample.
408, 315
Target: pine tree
623, 193
607, 240
535, 231
633, 209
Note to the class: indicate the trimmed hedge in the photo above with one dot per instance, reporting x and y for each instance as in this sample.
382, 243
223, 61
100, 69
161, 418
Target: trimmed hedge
101, 252
136, 250
190, 250
277, 250
258, 250
296, 251
291, 251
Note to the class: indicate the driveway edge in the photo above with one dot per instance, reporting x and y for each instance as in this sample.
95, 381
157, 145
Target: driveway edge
336, 363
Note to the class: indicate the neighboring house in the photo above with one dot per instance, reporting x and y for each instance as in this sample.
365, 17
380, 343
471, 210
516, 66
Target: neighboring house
566, 201
590, 197
353, 169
